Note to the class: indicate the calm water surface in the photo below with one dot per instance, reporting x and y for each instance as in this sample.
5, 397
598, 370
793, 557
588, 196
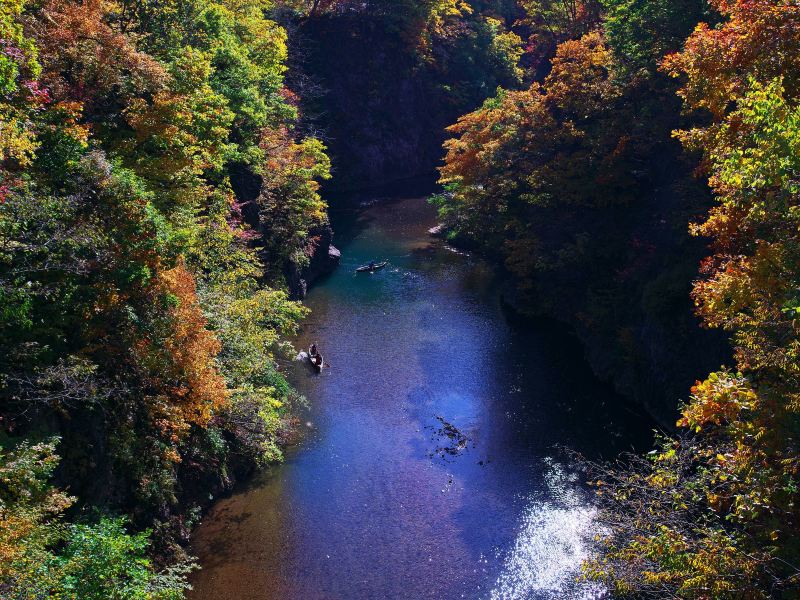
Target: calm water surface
429, 467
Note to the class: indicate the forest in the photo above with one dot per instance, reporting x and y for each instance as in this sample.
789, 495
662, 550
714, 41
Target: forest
632, 167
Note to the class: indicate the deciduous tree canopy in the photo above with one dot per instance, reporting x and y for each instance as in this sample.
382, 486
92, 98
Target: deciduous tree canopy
135, 322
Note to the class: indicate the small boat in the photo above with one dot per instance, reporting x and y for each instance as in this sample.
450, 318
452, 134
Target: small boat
316, 360
372, 268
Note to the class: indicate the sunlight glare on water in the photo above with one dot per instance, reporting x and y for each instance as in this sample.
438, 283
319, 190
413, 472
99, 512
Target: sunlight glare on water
554, 540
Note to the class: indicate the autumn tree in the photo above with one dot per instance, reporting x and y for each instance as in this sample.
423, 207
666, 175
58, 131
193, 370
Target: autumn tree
714, 513
133, 294
525, 154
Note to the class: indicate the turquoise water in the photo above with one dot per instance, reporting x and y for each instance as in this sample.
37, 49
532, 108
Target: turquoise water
429, 466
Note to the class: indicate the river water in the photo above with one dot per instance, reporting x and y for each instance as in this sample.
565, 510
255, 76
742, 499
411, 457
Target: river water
429, 467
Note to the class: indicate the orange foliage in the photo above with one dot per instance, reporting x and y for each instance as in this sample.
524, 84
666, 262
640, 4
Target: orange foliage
521, 151
579, 81
84, 58
760, 38
522, 129
746, 72
195, 388
718, 400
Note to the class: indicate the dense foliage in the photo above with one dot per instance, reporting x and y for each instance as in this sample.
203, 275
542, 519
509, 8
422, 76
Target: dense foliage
141, 316
577, 186
534, 176
94, 561
714, 514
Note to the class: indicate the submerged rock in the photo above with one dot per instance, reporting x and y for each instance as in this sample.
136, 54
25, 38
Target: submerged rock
450, 440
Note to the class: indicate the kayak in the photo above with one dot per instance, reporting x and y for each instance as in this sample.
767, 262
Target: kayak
372, 269
316, 361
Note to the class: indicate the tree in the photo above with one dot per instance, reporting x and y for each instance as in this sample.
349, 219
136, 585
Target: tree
132, 295
40, 555
641, 33
714, 514
524, 153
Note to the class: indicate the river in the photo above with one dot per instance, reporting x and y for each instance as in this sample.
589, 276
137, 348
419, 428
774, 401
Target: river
429, 467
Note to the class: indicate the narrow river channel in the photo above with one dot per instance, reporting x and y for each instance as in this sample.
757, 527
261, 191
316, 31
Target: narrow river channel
429, 468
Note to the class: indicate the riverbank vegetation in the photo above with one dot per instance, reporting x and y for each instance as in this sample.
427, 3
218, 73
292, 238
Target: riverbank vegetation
546, 179
577, 186
140, 328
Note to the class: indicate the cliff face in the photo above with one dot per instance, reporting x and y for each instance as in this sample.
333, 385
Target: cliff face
323, 261
628, 295
324, 257
381, 106
372, 109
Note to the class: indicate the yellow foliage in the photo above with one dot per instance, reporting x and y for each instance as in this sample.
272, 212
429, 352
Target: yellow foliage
718, 400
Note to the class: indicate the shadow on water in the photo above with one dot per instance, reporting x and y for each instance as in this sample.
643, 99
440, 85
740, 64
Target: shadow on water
429, 468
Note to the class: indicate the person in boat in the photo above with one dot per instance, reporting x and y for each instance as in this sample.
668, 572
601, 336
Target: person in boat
372, 265
318, 360
313, 349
